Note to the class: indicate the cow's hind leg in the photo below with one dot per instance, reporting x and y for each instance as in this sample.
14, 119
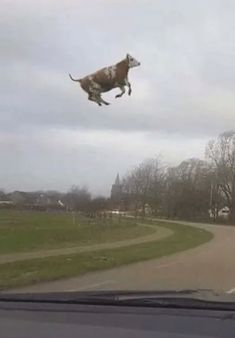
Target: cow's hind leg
95, 95
93, 98
101, 100
122, 91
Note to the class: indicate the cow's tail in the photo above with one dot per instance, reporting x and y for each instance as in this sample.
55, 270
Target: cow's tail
76, 80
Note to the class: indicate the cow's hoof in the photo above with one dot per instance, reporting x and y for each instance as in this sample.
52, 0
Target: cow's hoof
117, 96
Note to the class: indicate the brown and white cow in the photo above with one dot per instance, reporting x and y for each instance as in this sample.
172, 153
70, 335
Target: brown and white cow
108, 78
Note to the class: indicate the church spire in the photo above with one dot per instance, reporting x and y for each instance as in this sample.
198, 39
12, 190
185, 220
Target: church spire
116, 191
117, 181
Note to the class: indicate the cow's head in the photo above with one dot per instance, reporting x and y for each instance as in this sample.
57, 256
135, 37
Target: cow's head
132, 62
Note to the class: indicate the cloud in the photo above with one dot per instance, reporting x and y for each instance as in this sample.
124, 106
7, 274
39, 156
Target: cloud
182, 93
58, 158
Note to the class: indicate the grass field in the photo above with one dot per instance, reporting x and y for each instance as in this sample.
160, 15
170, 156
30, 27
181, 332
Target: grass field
51, 268
22, 231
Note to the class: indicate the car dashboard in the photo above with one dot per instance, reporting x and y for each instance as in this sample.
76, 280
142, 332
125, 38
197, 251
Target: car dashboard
44, 320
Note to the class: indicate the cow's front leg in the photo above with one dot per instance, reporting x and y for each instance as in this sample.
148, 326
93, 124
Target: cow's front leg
122, 91
127, 83
129, 87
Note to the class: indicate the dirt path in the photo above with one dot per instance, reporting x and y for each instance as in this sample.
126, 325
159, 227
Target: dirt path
159, 233
211, 265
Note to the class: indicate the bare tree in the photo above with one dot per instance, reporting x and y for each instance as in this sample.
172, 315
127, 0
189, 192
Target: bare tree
221, 152
143, 184
98, 204
187, 190
2, 195
78, 199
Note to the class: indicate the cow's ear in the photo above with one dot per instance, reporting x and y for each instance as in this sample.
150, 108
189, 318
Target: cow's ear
128, 56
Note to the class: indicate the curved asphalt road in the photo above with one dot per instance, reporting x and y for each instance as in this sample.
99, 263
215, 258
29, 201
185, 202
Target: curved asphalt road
211, 265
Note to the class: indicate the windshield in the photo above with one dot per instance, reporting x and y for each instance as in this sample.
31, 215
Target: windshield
117, 150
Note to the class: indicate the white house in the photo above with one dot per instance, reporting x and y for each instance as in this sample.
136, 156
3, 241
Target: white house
222, 213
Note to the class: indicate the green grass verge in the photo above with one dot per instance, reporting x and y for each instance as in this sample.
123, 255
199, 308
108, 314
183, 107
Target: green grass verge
38, 270
22, 231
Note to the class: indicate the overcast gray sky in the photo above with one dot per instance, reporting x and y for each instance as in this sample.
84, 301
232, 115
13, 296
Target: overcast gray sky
51, 136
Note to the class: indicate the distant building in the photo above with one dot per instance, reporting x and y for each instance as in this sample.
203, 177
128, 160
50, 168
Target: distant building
116, 192
5, 203
223, 213
37, 199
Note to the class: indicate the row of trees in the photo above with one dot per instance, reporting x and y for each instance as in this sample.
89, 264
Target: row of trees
186, 191
80, 199
76, 199
190, 189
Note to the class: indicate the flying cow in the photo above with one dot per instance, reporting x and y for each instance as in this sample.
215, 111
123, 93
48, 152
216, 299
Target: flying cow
108, 78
